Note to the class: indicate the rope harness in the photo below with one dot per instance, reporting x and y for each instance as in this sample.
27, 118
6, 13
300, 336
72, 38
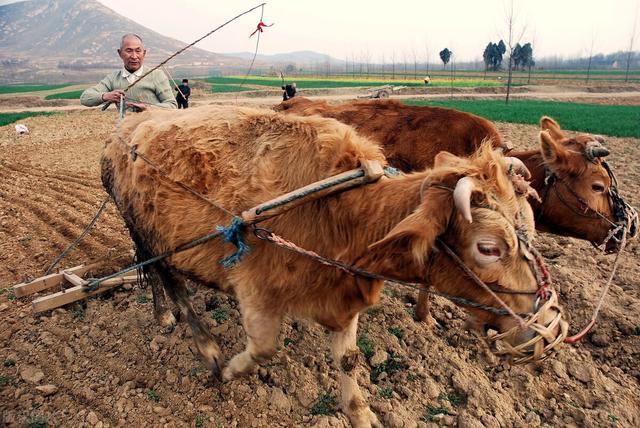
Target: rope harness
525, 352
278, 241
625, 224
547, 334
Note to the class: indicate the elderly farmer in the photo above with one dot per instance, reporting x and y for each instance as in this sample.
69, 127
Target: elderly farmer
153, 90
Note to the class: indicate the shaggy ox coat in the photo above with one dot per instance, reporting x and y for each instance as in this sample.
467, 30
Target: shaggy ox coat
240, 157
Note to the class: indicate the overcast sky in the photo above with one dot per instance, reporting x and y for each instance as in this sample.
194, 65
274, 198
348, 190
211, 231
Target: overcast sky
346, 27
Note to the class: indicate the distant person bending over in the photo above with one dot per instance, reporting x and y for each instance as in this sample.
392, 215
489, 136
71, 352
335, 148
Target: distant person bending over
289, 91
182, 97
427, 80
153, 90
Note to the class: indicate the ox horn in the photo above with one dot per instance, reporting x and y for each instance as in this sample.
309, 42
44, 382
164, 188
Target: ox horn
504, 148
517, 166
462, 197
594, 150
600, 152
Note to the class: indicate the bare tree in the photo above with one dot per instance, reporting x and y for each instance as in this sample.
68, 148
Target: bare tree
426, 51
353, 65
590, 56
393, 65
365, 63
531, 60
452, 73
415, 63
513, 38
631, 40
327, 67
404, 61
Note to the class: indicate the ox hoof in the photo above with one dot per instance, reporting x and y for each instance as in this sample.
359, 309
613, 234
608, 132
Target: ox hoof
166, 320
366, 419
216, 368
239, 365
213, 357
427, 319
229, 375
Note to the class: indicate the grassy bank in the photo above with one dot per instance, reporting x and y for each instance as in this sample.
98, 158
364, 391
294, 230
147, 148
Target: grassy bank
71, 95
12, 89
619, 121
218, 89
310, 83
7, 118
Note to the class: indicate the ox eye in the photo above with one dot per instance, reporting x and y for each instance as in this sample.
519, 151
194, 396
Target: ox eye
597, 187
489, 249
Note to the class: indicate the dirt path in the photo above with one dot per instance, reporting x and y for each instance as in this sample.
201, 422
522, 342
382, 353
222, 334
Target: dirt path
106, 362
553, 93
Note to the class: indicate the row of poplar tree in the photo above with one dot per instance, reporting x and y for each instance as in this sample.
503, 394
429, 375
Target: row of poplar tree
493, 54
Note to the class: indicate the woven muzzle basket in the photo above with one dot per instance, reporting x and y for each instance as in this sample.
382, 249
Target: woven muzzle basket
549, 328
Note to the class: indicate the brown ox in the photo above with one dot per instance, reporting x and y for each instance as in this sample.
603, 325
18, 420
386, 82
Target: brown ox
411, 136
242, 157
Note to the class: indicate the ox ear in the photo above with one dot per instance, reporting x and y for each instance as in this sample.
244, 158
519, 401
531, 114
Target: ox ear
599, 138
418, 231
445, 158
553, 151
552, 127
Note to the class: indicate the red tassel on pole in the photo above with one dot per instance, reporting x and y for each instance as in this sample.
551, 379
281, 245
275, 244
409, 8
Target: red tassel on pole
259, 28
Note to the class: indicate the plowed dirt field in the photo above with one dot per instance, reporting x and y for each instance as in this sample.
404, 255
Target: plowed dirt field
105, 362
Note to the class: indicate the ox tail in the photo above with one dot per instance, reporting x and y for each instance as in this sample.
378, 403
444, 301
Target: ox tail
147, 275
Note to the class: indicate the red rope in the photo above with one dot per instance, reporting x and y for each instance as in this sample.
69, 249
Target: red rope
592, 322
259, 28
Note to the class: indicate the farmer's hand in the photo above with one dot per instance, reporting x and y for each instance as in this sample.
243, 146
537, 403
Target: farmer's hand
113, 96
139, 106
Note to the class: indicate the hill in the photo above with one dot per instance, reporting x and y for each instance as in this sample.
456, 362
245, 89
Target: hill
297, 57
50, 41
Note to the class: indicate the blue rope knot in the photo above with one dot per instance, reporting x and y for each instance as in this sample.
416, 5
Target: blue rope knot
390, 171
233, 235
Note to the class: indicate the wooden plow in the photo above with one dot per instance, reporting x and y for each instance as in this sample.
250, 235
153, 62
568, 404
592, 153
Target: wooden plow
70, 284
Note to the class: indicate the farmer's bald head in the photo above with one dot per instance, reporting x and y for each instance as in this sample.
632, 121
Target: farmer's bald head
130, 36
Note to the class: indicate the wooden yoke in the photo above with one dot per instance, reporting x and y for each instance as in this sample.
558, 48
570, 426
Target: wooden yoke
370, 171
